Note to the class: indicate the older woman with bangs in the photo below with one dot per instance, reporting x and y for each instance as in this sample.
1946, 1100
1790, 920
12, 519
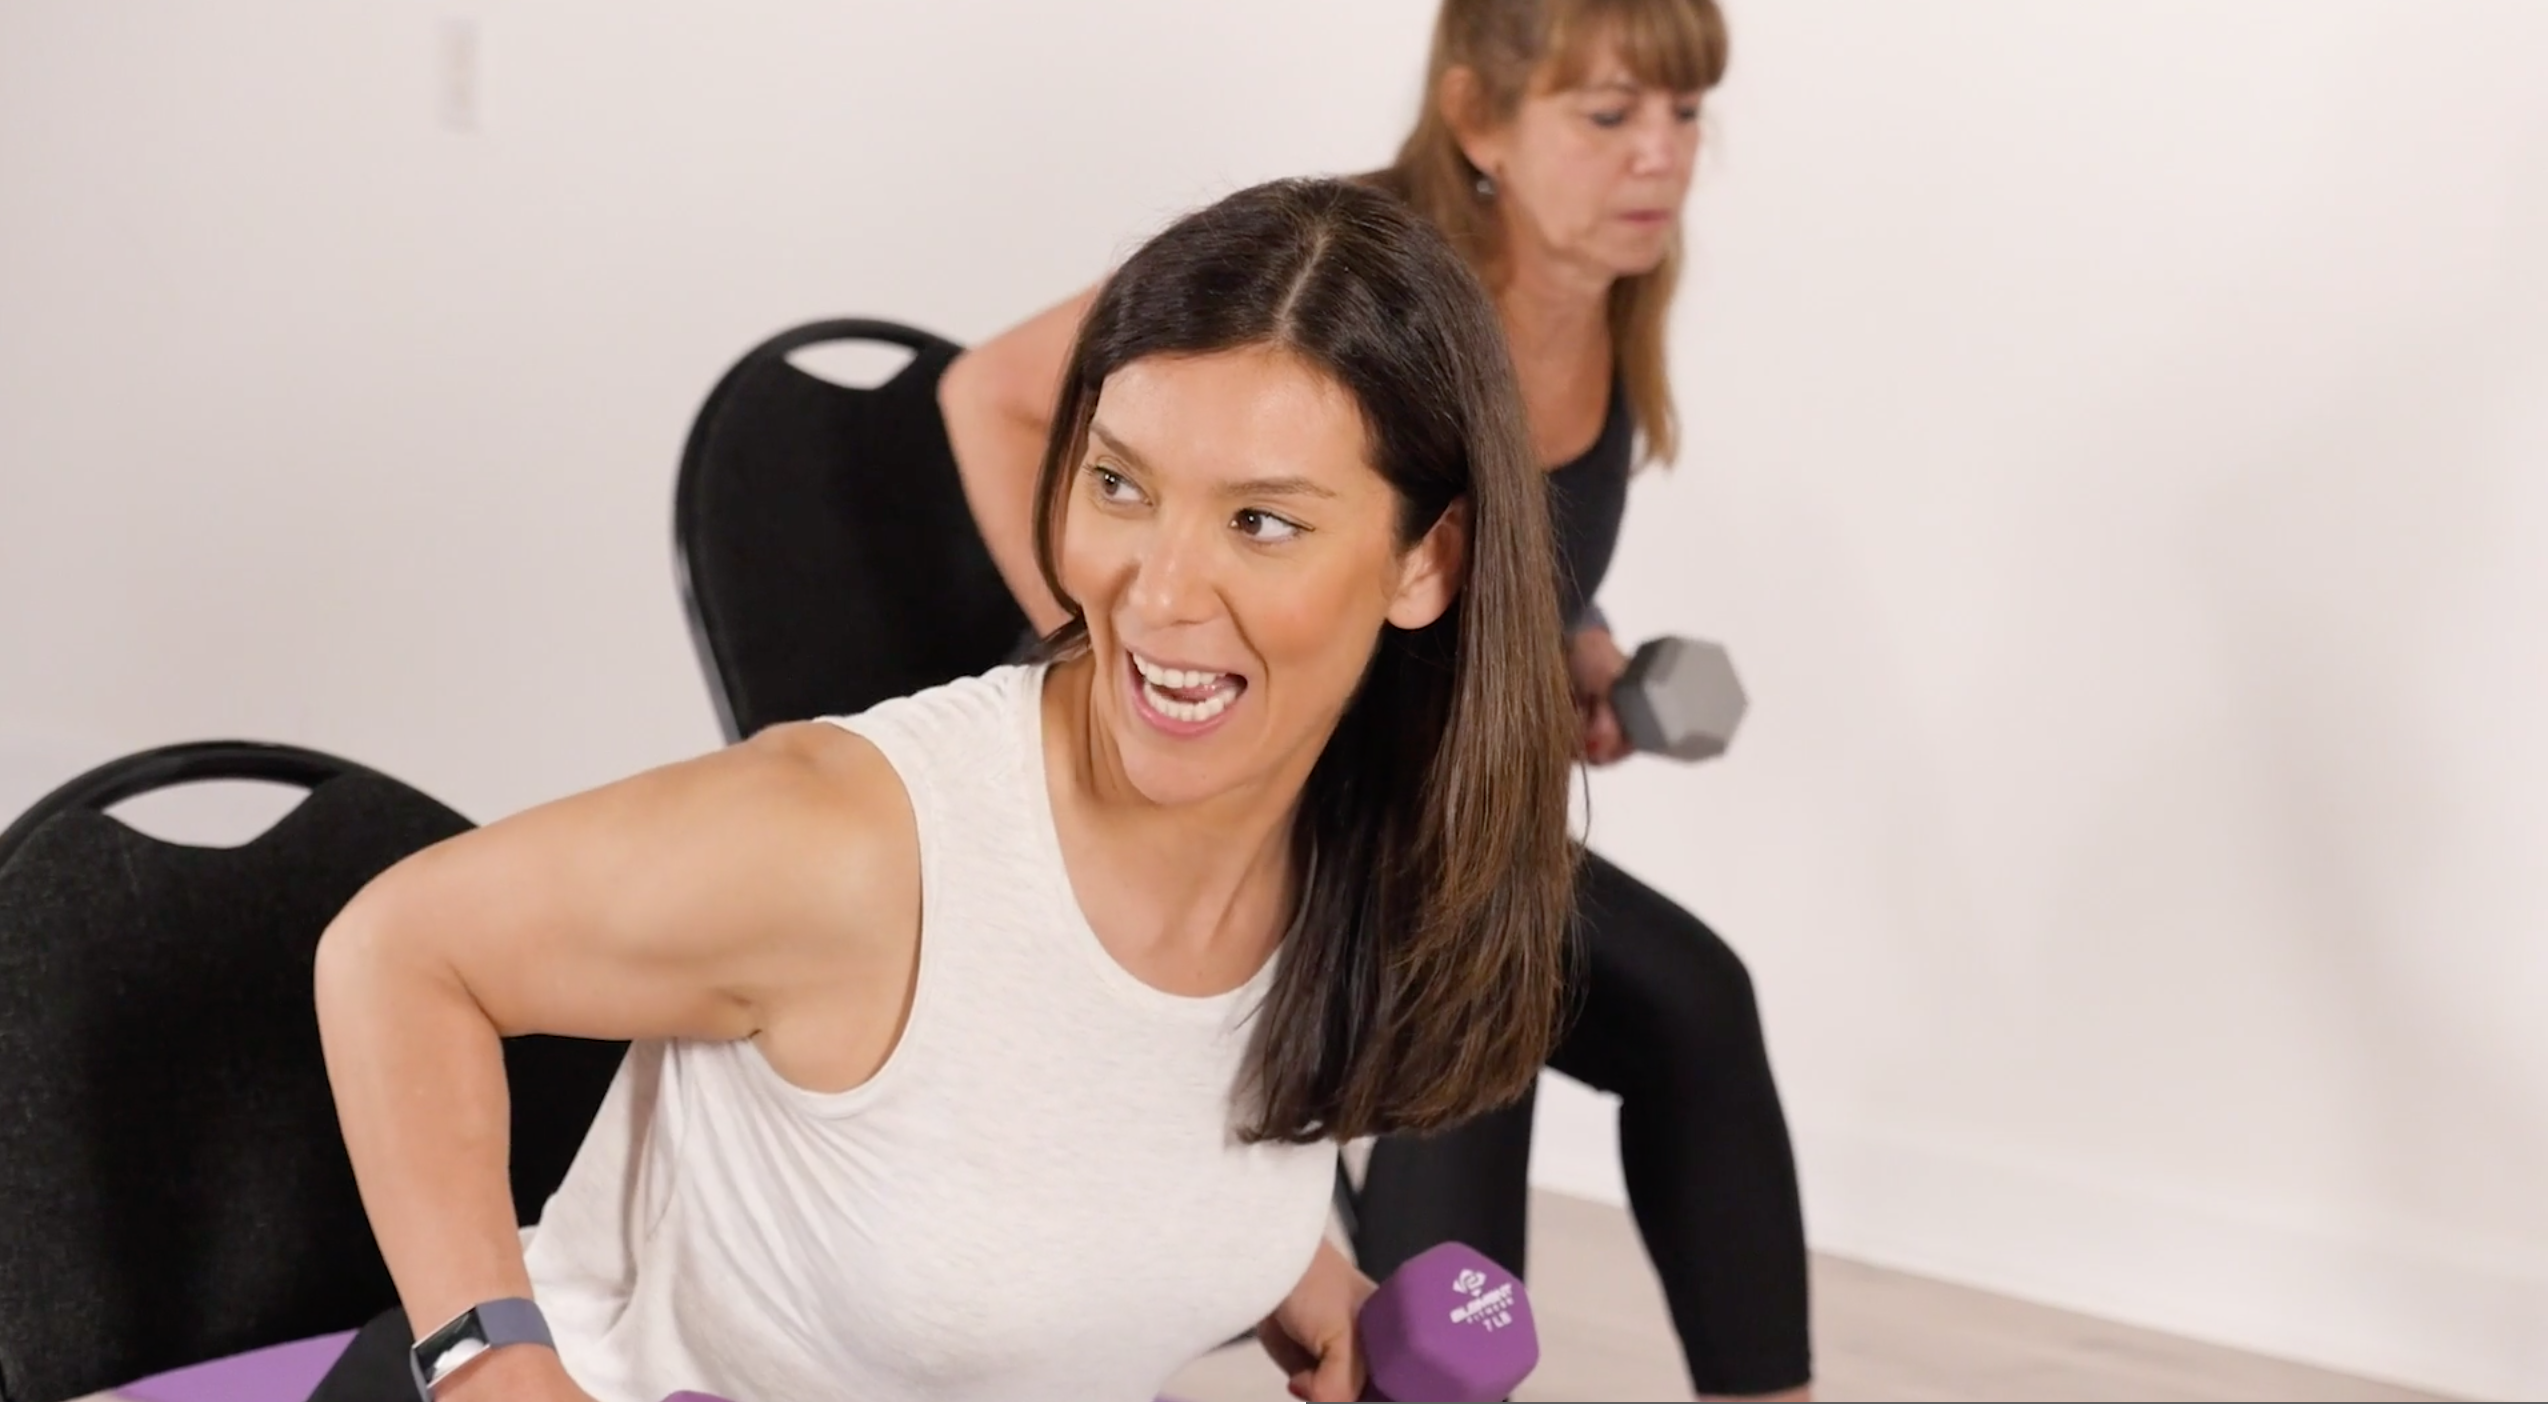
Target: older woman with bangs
1555, 148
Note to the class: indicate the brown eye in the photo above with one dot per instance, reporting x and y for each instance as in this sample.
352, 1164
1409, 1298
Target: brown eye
1113, 486
1264, 526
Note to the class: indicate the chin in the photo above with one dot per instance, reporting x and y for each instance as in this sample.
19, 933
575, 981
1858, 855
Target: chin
1175, 782
1166, 771
1641, 259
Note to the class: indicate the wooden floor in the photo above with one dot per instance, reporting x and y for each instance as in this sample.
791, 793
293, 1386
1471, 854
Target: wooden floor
1877, 1335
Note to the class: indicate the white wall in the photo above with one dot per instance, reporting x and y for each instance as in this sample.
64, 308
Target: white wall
2114, 435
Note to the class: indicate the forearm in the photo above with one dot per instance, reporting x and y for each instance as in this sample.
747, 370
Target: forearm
1329, 1265
998, 456
418, 1073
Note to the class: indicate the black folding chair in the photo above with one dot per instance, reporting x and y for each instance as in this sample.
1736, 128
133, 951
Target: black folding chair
173, 1184
827, 557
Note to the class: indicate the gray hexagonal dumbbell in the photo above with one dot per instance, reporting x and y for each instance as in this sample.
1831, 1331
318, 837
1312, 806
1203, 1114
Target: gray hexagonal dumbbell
1679, 698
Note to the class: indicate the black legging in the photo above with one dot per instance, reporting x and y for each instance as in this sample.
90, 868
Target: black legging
1665, 1019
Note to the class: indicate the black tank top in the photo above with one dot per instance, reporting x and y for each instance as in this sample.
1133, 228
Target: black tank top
1587, 500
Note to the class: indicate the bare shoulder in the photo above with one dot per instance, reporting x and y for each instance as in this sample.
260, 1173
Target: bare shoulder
845, 797
831, 760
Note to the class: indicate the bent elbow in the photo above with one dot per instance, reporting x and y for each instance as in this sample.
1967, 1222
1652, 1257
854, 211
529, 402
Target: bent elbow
969, 392
359, 942
1000, 384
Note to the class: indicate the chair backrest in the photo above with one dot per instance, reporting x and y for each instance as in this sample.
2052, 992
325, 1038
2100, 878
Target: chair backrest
827, 557
173, 1184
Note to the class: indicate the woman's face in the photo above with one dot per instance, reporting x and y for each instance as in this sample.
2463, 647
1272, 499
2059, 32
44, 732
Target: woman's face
1236, 557
1595, 173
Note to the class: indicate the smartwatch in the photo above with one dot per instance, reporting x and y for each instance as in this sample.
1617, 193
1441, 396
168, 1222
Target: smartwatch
482, 1328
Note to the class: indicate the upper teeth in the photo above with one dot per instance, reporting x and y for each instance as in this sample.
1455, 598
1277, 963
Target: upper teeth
1173, 677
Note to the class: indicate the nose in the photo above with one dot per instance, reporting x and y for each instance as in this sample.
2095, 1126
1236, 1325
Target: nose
1662, 142
1172, 581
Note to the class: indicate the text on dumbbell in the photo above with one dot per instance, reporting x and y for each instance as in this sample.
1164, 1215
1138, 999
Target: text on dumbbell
1496, 1303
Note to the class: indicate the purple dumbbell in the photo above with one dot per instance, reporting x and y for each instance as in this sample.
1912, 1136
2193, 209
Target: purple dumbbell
1448, 1325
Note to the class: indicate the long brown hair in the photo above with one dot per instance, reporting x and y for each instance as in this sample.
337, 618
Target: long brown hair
1518, 46
1420, 981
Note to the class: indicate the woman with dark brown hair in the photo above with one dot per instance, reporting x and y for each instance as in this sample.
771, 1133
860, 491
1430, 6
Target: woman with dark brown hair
996, 1042
1555, 148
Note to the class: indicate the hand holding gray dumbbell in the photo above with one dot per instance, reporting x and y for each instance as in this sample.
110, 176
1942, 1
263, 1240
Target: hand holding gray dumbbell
1679, 698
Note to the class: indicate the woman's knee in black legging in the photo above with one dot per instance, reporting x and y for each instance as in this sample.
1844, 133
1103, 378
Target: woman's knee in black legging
1670, 1009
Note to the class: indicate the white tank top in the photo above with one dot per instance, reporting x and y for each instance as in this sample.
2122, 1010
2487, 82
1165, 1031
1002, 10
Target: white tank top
1039, 1195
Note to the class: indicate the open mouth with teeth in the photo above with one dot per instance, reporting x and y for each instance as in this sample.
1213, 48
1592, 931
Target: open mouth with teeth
1183, 697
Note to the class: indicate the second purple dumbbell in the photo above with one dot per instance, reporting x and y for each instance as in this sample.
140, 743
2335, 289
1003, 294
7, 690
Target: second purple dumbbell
1448, 1325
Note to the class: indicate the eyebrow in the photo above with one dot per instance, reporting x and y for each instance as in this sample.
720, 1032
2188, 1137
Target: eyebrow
1118, 447
1291, 485
1285, 485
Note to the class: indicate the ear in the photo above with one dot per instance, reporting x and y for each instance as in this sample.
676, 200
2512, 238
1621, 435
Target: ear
1430, 575
1461, 102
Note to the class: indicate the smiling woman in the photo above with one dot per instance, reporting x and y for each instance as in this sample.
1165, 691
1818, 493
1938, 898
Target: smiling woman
1304, 547
1077, 969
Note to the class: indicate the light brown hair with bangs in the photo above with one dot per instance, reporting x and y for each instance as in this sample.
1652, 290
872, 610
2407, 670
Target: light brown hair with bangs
1517, 47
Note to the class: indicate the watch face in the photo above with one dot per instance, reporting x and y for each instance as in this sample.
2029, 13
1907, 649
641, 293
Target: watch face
510, 1321
461, 1340
451, 1357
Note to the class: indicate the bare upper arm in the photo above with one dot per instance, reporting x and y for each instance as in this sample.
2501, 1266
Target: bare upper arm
704, 899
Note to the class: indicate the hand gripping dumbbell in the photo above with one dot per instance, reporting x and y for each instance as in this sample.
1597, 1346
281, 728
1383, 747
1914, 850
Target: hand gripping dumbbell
1448, 1325
1679, 698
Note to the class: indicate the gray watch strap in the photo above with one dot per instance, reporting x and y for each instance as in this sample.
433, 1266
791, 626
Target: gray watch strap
503, 1322
1591, 618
